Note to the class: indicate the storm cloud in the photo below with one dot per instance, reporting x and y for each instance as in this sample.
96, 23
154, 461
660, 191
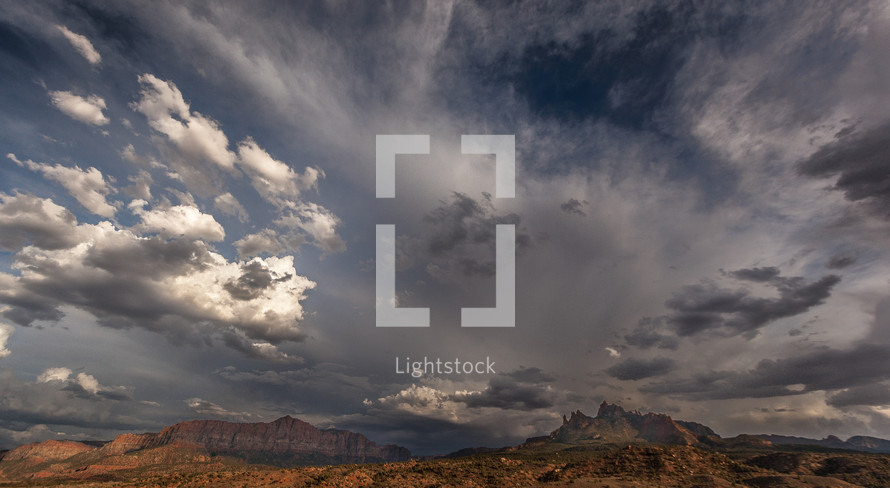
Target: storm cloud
858, 161
700, 214
700, 308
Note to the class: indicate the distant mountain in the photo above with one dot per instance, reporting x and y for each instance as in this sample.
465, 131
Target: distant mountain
46, 451
211, 445
614, 425
855, 443
284, 441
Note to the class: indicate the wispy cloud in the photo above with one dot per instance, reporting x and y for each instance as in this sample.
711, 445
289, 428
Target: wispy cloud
82, 45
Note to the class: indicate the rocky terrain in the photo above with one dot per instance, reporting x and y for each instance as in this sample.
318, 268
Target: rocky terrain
613, 424
616, 448
286, 441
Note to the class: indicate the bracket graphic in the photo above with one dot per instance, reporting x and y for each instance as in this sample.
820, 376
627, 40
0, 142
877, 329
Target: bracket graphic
504, 313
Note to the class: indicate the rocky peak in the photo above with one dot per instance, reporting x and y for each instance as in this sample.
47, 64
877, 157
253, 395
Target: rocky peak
613, 424
610, 410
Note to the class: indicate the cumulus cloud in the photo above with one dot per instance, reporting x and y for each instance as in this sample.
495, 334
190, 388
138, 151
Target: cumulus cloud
6, 332
229, 205
437, 414
82, 45
267, 241
317, 222
141, 187
26, 219
200, 147
197, 147
273, 179
88, 110
89, 187
199, 138
54, 374
175, 286
63, 400
178, 220
83, 384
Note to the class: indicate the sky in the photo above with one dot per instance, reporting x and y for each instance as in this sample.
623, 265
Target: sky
188, 212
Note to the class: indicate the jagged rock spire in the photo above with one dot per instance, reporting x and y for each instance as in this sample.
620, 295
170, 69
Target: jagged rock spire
608, 410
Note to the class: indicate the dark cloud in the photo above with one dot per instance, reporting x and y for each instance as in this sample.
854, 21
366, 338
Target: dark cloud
424, 435
523, 389
646, 334
637, 369
574, 206
877, 394
255, 278
152, 257
460, 239
842, 260
700, 308
823, 369
26, 219
68, 404
27, 308
860, 163
711, 87
756, 274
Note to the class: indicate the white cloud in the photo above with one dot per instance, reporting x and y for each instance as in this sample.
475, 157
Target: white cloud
141, 187
613, 353
229, 205
196, 137
274, 179
129, 154
209, 409
88, 110
178, 220
259, 349
426, 401
54, 374
177, 287
82, 45
89, 186
6, 332
267, 241
87, 382
320, 223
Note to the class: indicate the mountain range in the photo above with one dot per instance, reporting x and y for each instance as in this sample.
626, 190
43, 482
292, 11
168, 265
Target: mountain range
290, 442
614, 425
284, 441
